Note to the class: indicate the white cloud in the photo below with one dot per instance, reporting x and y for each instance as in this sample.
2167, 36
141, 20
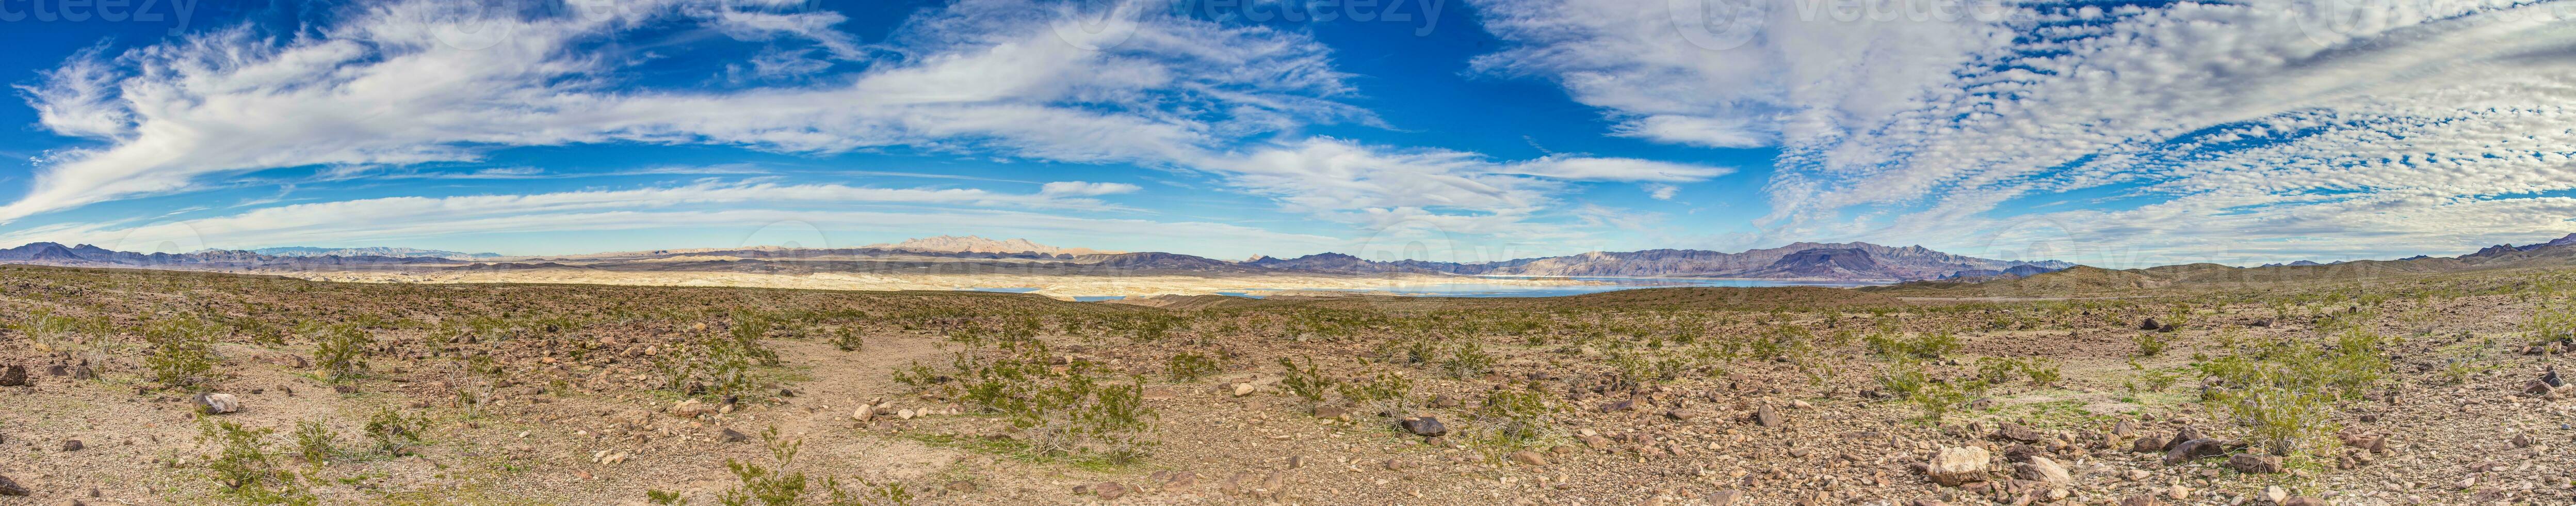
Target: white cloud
1083, 188
2360, 128
398, 84
1661, 191
397, 88
589, 210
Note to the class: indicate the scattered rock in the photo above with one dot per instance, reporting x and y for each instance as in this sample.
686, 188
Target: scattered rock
2141, 500
2306, 501
2522, 441
15, 376
2017, 432
689, 409
2185, 435
216, 404
2043, 470
2148, 445
1681, 414
1528, 458
2254, 464
1243, 389
1957, 465
1725, 497
1425, 426
2195, 449
2275, 494
1107, 490
1332, 412
1766, 417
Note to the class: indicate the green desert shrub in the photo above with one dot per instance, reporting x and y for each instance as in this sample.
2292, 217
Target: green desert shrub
2283, 392
340, 352
181, 353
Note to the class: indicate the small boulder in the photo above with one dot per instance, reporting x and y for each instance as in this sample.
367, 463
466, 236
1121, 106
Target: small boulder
2185, 435
2195, 449
732, 436
1767, 417
2148, 445
2254, 464
1425, 426
73, 445
2017, 432
15, 376
1725, 497
2043, 470
1957, 465
11, 488
217, 404
2150, 324
1529, 458
1107, 490
688, 409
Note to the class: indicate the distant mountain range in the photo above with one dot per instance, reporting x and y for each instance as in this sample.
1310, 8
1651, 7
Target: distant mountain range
1856, 261
978, 244
1840, 262
2559, 253
308, 251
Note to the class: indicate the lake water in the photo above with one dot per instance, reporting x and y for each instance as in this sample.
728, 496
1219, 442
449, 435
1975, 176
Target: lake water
1476, 289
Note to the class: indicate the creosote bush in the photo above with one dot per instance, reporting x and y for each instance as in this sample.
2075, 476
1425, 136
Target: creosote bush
1308, 382
2284, 392
1515, 416
339, 352
1190, 366
1061, 409
245, 469
181, 352
772, 484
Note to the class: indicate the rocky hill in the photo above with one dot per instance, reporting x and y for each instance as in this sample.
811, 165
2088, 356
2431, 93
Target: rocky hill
979, 244
309, 251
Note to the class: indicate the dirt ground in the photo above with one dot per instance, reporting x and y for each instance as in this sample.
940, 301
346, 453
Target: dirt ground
561, 394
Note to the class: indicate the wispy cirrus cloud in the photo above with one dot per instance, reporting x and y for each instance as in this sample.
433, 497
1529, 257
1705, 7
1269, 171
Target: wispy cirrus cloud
646, 207
2332, 126
394, 89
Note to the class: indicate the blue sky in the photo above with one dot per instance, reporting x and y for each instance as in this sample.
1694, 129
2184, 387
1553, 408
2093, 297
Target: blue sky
2111, 133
